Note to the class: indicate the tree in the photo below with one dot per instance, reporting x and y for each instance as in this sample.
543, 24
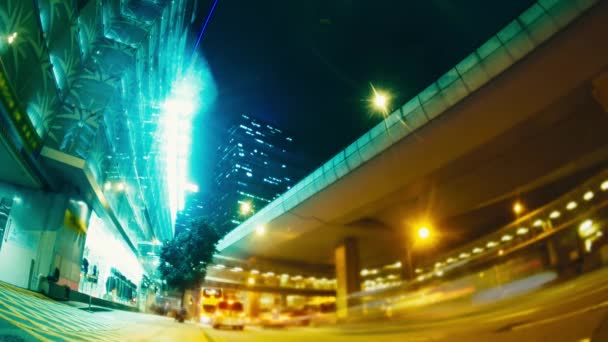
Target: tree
184, 259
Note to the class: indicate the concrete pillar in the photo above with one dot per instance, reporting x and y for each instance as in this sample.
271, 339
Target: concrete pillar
407, 265
254, 304
552, 253
600, 90
347, 275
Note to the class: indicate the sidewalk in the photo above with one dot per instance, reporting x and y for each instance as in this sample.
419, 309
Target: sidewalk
29, 316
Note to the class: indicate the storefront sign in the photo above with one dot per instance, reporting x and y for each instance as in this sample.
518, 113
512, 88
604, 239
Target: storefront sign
75, 223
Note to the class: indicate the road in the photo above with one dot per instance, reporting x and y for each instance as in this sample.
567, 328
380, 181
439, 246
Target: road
568, 312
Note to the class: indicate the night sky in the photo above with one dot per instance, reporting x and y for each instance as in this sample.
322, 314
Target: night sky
307, 65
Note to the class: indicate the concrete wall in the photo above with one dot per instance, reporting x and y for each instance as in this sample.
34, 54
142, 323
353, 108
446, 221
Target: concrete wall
35, 241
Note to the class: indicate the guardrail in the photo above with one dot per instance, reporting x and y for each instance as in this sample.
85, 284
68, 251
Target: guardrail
570, 211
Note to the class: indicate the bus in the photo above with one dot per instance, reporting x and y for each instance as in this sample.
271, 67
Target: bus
211, 297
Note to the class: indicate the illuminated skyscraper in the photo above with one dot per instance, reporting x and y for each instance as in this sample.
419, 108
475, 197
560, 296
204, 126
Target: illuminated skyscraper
256, 164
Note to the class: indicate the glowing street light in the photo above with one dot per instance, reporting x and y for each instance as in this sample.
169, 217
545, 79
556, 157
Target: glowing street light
555, 214
422, 236
586, 229
424, 233
380, 100
518, 208
245, 208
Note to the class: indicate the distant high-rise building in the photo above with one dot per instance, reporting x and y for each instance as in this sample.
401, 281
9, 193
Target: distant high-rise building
256, 164
193, 209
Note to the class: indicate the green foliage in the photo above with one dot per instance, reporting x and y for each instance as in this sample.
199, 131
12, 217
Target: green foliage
184, 259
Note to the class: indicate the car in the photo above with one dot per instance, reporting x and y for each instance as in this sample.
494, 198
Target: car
229, 314
275, 319
302, 316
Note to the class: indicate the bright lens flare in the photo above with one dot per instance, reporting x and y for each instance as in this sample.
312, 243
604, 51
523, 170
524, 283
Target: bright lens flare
380, 100
245, 208
518, 208
424, 233
178, 111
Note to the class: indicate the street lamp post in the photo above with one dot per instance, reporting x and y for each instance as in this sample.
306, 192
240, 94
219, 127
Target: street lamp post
422, 236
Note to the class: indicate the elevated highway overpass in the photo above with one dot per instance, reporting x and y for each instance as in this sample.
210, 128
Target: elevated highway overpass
522, 117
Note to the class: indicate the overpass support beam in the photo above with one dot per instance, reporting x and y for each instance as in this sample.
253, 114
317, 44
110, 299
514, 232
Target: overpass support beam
254, 304
600, 90
347, 276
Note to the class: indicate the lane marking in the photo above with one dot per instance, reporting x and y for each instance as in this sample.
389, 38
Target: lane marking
513, 315
527, 325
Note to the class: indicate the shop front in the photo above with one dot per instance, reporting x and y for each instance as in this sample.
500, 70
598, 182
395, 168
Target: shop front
110, 270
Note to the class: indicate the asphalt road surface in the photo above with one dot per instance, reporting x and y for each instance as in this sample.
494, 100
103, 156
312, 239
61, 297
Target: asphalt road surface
572, 312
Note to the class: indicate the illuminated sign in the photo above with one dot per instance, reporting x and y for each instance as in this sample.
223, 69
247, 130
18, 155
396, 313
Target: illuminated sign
18, 117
